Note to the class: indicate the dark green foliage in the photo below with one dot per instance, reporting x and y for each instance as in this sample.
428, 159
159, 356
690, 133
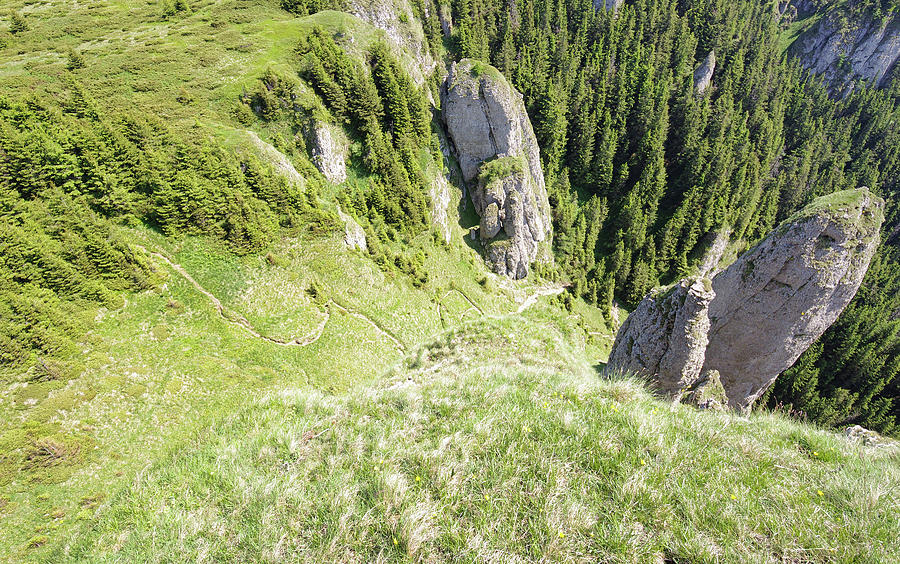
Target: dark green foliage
76, 60
17, 23
306, 7
67, 173
387, 113
641, 169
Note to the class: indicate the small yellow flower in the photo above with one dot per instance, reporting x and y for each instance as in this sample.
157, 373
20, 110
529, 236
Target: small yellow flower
418, 478
396, 542
820, 493
733, 496
815, 453
561, 534
545, 405
643, 462
486, 497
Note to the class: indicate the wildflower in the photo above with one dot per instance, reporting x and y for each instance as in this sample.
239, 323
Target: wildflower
820, 493
396, 542
486, 497
545, 405
418, 478
643, 462
815, 453
562, 534
733, 496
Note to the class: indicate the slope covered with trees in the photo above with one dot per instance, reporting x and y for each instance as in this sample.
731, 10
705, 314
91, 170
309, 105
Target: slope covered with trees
643, 169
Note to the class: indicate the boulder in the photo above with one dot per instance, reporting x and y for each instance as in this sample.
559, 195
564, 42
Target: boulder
704, 73
781, 295
664, 338
707, 393
494, 143
354, 235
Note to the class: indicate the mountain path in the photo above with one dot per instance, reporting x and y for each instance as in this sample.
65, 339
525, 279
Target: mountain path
241, 321
307, 340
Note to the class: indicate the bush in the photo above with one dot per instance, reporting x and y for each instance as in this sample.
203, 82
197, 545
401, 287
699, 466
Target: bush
17, 23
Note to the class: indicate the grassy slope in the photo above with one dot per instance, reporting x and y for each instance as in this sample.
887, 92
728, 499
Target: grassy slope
173, 395
499, 443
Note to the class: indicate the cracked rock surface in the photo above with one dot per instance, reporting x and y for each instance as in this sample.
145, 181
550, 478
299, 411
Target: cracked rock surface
665, 336
781, 295
761, 312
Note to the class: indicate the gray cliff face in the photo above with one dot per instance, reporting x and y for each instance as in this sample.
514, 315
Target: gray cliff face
704, 73
500, 162
665, 337
328, 151
868, 50
403, 29
762, 312
780, 296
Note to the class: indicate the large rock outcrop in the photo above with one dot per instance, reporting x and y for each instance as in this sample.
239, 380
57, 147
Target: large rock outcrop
764, 310
328, 150
781, 295
494, 143
866, 48
704, 73
404, 32
664, 338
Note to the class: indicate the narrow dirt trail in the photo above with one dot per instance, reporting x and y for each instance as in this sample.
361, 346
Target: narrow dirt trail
307, 340
540, 292
241, 321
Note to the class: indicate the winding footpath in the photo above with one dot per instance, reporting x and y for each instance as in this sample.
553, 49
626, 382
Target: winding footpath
241, 321
305, 341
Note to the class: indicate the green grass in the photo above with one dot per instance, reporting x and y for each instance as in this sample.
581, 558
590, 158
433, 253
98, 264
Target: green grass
499, 442
167, 366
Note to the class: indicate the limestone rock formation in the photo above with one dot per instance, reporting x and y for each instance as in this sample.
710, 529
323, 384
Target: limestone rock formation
494, 143
762, 312
867, 49
279, 161
781, 295
664, 338
328, 150
707, 393
703, 74
608, 5
354, 235
403, 29
440, 193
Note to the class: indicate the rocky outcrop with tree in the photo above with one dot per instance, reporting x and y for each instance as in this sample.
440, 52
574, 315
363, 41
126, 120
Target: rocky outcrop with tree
845, 49
495, 146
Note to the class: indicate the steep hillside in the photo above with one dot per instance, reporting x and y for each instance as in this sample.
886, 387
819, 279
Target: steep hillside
845, 43
498, 442
263, 296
